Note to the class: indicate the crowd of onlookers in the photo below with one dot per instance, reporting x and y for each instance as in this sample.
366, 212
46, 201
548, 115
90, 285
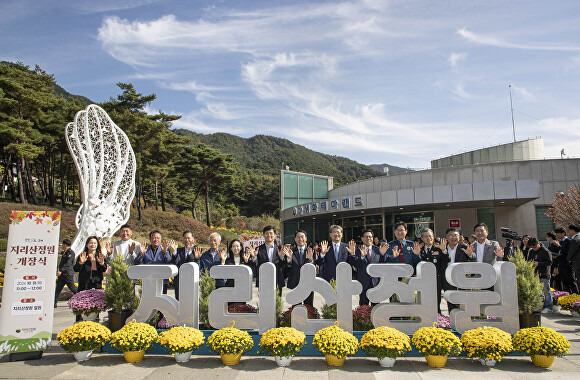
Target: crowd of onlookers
557, 265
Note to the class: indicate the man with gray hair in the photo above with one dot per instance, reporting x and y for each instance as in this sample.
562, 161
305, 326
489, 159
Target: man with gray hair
435, 255
213, 256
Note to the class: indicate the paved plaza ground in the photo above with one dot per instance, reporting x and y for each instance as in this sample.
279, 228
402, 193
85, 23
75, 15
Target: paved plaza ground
57, 364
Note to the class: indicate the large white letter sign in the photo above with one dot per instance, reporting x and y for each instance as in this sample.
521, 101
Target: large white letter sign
182, 312
501, 304
424, 309
345, 289
218, 314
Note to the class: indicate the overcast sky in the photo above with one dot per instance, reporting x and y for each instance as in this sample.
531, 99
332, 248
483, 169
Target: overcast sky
398, 82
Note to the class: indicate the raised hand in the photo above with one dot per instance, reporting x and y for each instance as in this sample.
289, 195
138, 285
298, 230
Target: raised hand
164, 246
324, 247
383, 250
223, 254
281, 252
469, 250
173, 246
309, 254
351, 247
83, 257
252, 251
417, 248
143, 248
101, 259
395, 251
363, 251
246, 255
109, 248
197, 251
498, 252
443, 244
132, 248
288, 252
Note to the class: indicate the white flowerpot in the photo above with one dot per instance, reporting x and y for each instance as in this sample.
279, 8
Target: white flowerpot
283, 361
487, 362
574, 313
387, 362
91, 317
556, 308
182, 358
83, 356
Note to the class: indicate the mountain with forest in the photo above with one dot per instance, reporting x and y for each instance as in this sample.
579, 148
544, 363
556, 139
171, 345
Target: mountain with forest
266, 155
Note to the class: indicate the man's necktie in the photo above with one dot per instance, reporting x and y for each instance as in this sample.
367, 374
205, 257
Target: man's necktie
336, 248
401, 253
369, 257
301, 257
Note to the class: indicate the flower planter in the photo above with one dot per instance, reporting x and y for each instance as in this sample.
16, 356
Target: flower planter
283, 361
231, 359
83, 356
556, 308
436, 361
117, 319
91, 317
574, 313
134, 356
334, 360
183, 358
387, 362
530, 320
488, 362
543, 360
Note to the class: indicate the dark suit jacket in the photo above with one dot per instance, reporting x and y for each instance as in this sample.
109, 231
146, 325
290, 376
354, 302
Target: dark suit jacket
460, 256
89, 279
361, 264
280, 264
293, 273
574, 251
439, 258
206, 261
328, 263
181, 258
66, 264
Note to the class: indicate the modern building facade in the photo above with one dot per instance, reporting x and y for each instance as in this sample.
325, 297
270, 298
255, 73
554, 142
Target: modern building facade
509, 185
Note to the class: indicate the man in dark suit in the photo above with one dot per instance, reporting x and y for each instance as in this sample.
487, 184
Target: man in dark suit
434, 255
456, 252
401, 250
301, 254
563, 268
269, 252
213, 256
186, 254
574, 250
65, 273
333, 253
360, 258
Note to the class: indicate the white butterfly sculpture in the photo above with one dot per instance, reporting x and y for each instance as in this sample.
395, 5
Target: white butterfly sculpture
106, 165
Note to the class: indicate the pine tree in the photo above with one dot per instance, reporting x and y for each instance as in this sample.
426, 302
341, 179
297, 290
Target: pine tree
206, 286
530, 289
119, 293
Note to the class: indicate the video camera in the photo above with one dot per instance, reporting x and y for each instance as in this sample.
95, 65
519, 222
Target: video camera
509, 234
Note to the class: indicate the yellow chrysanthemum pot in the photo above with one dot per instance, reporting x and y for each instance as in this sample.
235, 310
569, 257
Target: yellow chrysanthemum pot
334, 361
436, 361
133, 356
543, 360
231, 359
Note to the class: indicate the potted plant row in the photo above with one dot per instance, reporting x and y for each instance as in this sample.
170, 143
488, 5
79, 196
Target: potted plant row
436, 344
82, 338
283, 343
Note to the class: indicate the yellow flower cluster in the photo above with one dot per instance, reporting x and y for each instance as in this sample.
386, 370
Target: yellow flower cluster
134, 336
282, 341
181, 339
230, 340
567, 301
83, 336
384, 342
436, 341
541, 341
335, 341
487, 343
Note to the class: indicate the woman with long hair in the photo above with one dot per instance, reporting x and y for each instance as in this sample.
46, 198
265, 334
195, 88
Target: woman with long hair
235, 257
91, 265
524, 246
